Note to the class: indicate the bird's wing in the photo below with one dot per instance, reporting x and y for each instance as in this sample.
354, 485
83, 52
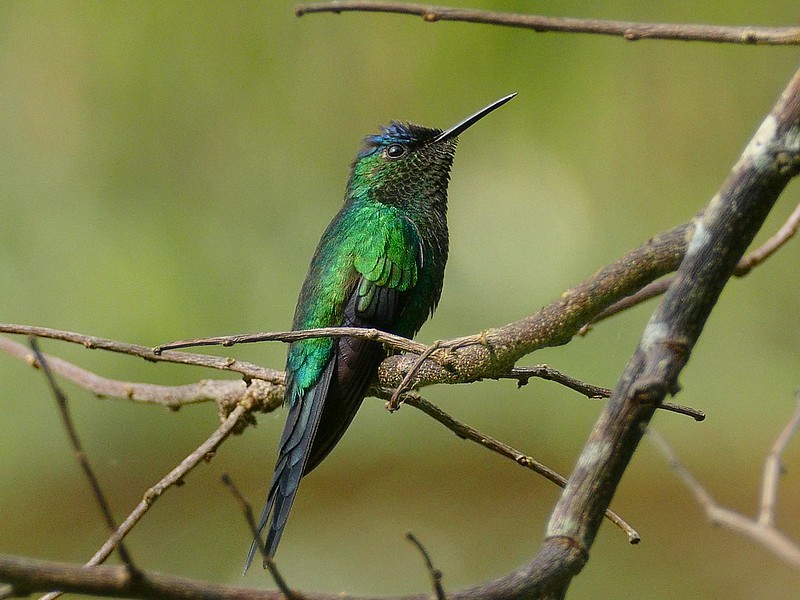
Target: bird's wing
376, 301
323, 405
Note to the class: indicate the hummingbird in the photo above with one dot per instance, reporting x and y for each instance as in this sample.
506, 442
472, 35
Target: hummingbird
379, 264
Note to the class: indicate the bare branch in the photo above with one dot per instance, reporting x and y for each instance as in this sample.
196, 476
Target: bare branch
203, 452
80, 454
630, 31
711, 245
434, 573
743, 267
225, 393
268, 396
247, 510
397, 395
467, 432
489, 354
722, 233
391, 340
523, 375
106, 581
198, 360
772, 245
761, 530
492, 354
651, 290
272, 396
773, 469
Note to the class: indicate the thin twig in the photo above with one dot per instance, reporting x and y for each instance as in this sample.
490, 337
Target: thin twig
224, 392
396, 342
651, 290
773, 468
630, 31
434, 573
772, 245
80, 454
467, 432
523, 375
394, 402
203, 452
247, 509
764, 533
247, 369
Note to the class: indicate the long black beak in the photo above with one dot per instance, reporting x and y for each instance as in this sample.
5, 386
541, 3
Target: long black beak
469, 121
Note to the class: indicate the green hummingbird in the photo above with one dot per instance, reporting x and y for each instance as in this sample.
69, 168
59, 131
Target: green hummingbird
380, 263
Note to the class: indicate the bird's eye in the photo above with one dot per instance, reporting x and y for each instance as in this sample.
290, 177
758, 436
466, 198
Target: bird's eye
395, 151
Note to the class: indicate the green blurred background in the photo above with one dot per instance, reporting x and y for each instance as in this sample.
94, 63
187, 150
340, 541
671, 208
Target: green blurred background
166, 172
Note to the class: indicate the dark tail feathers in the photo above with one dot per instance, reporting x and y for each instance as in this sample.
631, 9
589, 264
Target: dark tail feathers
295, 448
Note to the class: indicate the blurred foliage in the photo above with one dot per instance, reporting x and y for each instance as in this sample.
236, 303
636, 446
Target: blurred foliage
167, 171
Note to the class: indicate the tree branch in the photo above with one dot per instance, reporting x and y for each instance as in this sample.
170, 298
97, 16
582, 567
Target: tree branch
772, 472
30, 575
762, 529
467, 432
630, 31
224, 392
203, 452
434, 573
247, 369
489, 354
766, 166
269, 564
493, 353
722, 233
743, 267
80, 455
266, 397
391, 340
711, 244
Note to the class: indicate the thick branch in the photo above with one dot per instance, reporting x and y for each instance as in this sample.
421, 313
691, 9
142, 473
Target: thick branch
38, 576
743, 267
493, 353
722, 233
630, 31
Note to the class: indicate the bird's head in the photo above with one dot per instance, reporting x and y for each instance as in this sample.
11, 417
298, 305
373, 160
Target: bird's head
406, 164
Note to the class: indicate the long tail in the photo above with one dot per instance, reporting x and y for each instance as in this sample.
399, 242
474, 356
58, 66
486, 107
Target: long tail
318, 419
295, 447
